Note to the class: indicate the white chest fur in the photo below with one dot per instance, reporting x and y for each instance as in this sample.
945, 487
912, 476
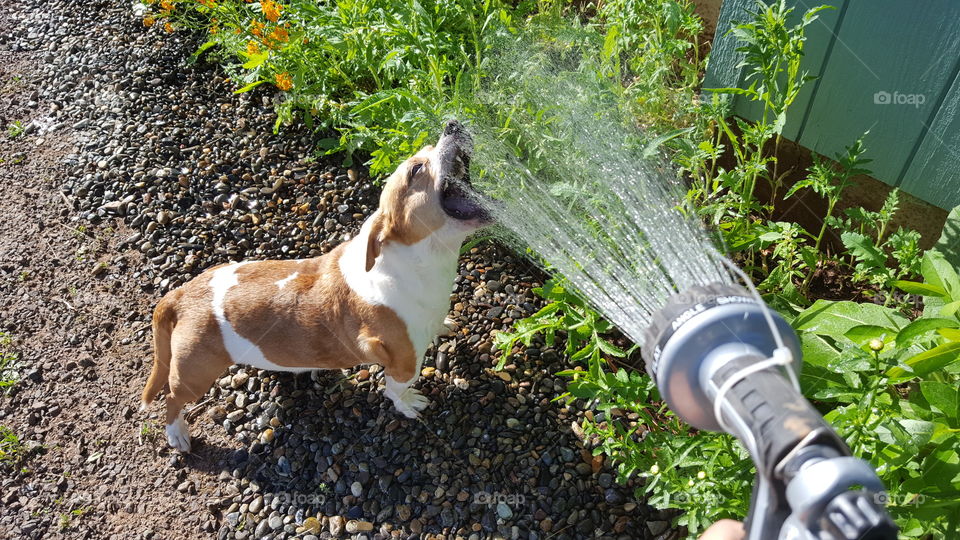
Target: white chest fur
414, 281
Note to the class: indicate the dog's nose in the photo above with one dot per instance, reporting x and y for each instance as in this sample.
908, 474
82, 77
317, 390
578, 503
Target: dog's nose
453, 127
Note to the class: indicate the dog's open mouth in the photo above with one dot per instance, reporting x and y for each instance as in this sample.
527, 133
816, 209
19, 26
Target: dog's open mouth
458, 198
460, 201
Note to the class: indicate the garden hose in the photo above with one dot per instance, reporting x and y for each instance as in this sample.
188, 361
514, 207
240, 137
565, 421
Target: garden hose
724, 361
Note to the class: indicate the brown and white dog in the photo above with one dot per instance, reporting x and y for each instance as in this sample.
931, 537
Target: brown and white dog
378, 298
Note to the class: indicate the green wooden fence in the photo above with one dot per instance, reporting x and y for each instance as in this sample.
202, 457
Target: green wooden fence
887, 66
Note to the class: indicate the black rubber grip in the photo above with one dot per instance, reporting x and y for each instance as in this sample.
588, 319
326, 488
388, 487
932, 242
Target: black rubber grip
775, 412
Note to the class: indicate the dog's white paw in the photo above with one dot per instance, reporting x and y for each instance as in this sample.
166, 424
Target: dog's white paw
178, 436
411, 402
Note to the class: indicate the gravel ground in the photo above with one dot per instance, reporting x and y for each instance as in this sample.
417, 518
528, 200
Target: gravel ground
134, 173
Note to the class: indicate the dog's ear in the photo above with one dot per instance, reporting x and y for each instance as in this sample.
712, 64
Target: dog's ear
375, 239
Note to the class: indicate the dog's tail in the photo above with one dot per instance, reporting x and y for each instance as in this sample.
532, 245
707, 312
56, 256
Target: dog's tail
164, 319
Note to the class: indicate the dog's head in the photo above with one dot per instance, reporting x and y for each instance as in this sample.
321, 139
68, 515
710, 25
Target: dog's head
429, 192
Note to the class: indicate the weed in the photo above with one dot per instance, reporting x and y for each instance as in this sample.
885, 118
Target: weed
66, 518
15, 129
9, 362
11, 449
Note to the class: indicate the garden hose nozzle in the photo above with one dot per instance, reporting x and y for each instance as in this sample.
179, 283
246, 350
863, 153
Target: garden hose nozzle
724, 361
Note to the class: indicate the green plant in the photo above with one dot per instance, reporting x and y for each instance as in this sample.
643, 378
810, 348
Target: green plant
865, 235
380, 73
829, 182
9, 368
11, 449
773, 51
14, 129
566, 313
707, 475
889, 386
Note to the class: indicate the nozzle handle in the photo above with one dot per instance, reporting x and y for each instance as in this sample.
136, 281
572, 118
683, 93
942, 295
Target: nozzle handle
789, 439
777, 416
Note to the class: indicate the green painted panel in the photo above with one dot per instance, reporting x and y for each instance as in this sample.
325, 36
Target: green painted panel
892, 62
821, 39
910, 51
934, 173
722, 70
724, 59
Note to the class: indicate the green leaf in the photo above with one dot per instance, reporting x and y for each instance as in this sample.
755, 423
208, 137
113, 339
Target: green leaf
920, 431
939, 272
249, 87
949, 242
927, 362
949, 333
942, 467
912, 332
920, 289
863, 248
944, 397
255, 60
950, 309
200, 50
834, 319
864, 333
852, 360
651, 148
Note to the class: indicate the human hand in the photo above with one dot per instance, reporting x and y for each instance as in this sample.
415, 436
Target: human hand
725, 529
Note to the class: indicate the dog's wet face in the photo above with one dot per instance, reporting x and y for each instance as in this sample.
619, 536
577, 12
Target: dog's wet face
432, 189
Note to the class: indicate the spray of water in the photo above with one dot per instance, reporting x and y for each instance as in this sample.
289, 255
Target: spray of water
576, 188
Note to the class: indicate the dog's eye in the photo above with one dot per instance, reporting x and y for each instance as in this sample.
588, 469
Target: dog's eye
415, 169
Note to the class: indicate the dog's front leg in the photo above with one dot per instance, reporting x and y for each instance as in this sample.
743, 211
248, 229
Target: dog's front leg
400, 374
408, 400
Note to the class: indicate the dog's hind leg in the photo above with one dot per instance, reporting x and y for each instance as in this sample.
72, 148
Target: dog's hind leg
191, 375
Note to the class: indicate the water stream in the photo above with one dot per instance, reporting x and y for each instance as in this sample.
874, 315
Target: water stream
576, 188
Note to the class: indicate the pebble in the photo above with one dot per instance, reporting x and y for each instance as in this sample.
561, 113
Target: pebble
354, 526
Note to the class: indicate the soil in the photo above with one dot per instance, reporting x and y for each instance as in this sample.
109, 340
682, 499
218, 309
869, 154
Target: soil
80, 331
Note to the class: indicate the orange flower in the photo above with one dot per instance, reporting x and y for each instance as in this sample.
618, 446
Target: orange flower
256, 28
271, 10
252, 48
208, 3
168, 27
277, 37
284, 82
166, 5
149, 20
